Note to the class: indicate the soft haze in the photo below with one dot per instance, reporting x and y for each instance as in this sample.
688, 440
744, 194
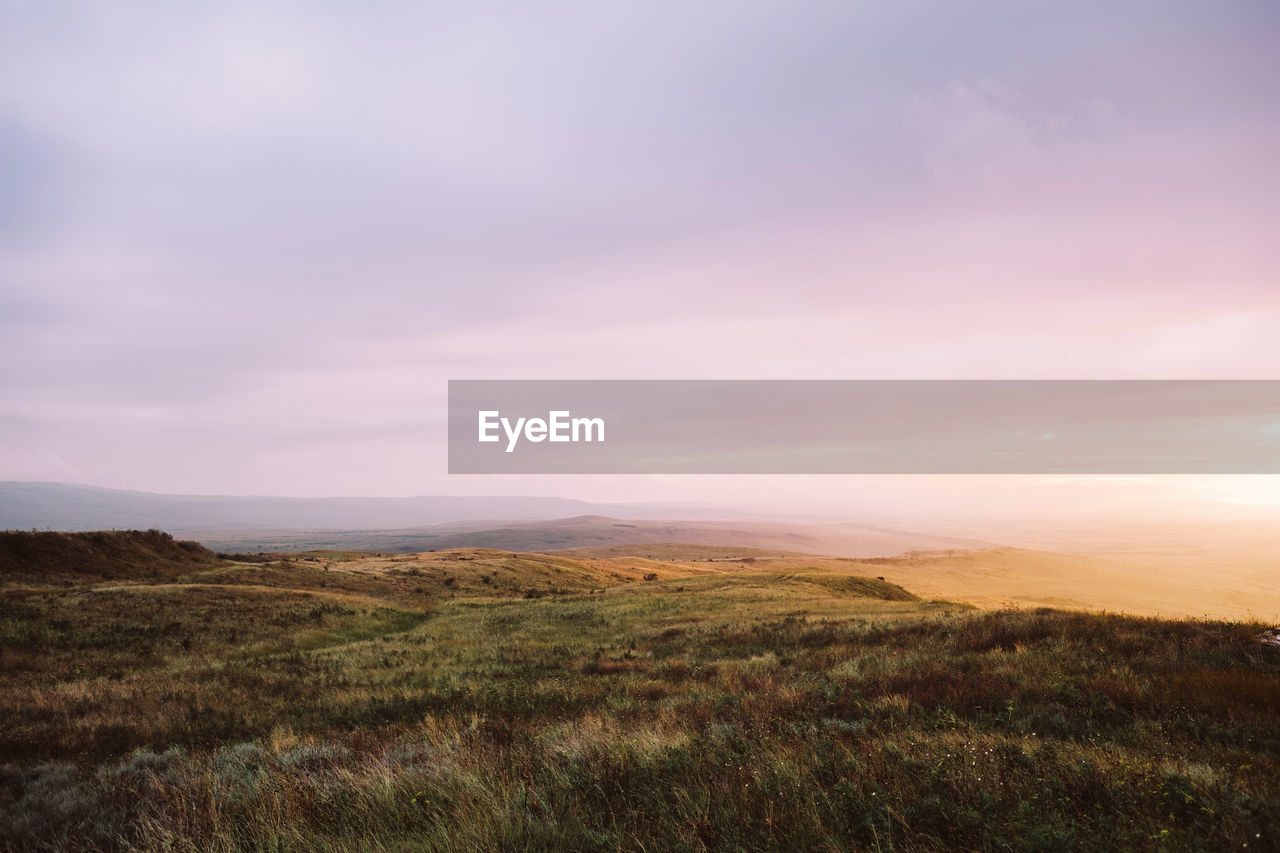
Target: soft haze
243, 246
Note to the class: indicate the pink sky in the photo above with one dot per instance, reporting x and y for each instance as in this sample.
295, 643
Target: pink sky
242, 249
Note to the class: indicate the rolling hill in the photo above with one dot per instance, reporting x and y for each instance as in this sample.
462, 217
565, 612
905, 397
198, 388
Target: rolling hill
657, 697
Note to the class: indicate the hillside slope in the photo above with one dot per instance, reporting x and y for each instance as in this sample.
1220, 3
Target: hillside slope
102, 555
1015, 577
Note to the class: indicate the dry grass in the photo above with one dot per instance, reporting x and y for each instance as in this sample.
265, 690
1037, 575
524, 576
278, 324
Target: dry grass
482, 700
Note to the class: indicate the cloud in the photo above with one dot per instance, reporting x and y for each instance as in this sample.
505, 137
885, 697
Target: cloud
219, 221
983, 133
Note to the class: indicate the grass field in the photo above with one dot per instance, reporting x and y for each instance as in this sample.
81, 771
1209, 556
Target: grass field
701, 699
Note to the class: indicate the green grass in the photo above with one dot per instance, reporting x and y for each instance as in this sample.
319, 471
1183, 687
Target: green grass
744, 710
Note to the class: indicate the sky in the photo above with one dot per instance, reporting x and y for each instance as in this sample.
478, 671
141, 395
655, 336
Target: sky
244, 246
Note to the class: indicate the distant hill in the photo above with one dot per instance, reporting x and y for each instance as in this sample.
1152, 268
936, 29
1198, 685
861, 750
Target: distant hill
405, 525
860, 540
597, 531
63, 506
41, 556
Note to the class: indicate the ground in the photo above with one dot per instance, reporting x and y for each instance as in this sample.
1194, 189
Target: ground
684, 699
